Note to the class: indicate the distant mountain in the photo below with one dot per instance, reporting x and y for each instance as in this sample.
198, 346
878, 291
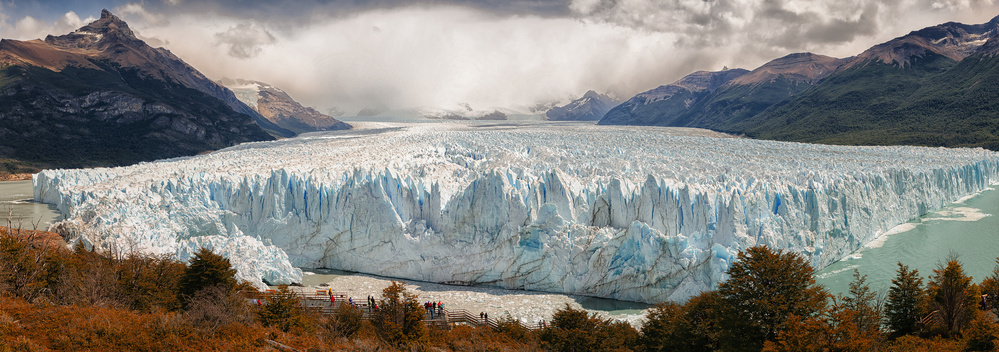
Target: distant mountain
664, 105
591, 107
749, 94
935, 86
101, 97
279, 108
496, 115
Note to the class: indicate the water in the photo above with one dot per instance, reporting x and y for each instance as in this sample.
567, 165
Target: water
18, 208
969, 228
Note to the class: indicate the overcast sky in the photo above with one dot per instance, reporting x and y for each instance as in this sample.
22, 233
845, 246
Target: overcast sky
398, 54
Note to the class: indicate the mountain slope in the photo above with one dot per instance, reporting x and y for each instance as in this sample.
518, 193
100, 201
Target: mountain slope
752, 93
101, 97
663, 105
279, 108
929, 93
591, 107
935, 87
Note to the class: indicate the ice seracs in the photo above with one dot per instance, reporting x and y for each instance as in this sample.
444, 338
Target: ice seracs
634, 213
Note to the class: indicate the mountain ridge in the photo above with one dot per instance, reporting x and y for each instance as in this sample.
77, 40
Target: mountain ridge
278, 107
99, 96
929, 87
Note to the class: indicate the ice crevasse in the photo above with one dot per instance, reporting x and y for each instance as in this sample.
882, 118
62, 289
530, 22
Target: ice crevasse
642, 214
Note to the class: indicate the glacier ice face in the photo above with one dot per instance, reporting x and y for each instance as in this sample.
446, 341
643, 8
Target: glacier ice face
634, 213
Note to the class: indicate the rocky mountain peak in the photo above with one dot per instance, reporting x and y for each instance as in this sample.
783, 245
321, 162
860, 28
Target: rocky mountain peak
798, 67
952, 40
98, 35
591, 95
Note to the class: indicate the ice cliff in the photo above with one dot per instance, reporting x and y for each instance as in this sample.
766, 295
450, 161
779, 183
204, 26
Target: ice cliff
634, 213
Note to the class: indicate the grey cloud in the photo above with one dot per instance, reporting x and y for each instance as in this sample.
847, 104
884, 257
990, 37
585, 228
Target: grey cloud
775, 24
245, 40
279, 10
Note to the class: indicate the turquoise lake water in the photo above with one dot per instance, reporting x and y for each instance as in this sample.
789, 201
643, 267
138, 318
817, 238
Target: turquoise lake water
969, 228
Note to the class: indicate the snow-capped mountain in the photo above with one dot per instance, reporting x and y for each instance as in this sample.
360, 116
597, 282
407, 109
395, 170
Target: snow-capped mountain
591, 107
278, 107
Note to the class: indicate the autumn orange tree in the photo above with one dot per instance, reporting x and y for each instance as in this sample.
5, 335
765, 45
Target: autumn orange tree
851, 323
399, 317
576, 330
692, 326
952, 296
766, 288
990, 288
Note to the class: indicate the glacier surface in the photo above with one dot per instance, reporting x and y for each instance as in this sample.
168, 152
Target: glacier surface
634, 213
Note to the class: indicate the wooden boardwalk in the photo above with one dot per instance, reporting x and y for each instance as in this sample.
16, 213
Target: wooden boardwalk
320, 303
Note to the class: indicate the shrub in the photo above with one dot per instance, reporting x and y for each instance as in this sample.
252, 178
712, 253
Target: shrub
981, 334
575, 330
206, 269
213, 308
282, 309
343, 323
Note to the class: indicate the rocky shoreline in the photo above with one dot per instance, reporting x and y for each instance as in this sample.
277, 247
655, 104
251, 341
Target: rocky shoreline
15, 177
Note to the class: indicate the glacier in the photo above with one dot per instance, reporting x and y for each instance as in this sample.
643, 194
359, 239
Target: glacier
634, 213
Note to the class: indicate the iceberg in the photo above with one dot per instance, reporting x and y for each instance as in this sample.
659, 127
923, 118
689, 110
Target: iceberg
634, 213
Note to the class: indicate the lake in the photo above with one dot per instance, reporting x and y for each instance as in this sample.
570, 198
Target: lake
19, 210
968, 228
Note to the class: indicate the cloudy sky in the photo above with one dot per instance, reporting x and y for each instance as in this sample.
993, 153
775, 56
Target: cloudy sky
400, 54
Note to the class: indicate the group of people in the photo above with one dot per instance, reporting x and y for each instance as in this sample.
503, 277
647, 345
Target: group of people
434, 307
350, 301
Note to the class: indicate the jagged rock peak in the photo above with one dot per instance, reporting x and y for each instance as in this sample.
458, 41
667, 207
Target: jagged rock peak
106, 24
96, 35
952, 40
592, 95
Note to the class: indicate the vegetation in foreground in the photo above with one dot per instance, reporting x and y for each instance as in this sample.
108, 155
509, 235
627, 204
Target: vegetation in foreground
56, 299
